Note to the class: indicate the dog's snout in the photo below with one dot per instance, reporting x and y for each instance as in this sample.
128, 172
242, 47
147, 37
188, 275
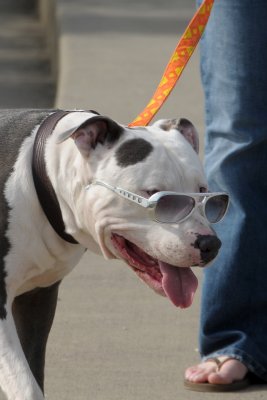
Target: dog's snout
209, 246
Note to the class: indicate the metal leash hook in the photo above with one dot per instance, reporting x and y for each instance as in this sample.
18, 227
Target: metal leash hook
177, 63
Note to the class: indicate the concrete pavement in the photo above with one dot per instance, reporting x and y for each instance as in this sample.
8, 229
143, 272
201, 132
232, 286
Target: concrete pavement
113, 338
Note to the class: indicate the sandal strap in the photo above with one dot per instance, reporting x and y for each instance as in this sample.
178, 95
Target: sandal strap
218, 362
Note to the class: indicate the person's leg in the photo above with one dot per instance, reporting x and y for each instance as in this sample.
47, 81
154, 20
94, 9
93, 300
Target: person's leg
234, 302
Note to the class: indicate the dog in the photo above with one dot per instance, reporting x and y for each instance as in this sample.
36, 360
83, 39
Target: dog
76, 180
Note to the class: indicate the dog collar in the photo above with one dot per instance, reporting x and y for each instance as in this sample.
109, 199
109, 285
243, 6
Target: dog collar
43, 186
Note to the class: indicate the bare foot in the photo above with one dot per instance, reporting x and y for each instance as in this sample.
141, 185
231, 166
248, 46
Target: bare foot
226, 371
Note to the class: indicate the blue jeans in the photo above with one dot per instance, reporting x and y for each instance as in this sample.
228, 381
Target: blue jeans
234, 75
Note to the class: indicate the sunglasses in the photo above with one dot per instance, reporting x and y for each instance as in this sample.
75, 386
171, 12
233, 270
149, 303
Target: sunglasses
173, 207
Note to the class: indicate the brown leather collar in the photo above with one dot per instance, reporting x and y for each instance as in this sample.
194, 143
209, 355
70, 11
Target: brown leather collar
44, 189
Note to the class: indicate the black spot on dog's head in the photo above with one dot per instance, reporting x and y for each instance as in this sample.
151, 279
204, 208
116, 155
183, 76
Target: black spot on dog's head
133, 151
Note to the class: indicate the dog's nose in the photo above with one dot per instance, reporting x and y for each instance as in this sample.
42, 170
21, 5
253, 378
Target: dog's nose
209, 246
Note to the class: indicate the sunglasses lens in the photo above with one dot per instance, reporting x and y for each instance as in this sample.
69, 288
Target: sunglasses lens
173, 208
216, 207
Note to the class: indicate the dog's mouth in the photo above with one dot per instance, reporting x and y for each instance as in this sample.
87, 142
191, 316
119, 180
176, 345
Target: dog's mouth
176, 283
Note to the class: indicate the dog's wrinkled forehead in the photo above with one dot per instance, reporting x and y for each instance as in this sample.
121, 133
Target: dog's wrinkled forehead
164, 144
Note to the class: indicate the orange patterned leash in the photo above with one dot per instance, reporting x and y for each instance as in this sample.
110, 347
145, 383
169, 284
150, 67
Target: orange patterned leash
177, 63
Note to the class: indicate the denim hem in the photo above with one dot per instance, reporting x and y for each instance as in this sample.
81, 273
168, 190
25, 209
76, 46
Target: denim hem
252, 365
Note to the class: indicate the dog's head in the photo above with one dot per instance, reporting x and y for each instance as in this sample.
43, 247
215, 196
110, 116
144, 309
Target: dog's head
144, 161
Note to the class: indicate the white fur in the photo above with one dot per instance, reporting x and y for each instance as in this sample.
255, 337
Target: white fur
38, 257
16, 379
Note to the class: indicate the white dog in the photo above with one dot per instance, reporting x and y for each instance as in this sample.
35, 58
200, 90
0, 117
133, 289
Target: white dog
76, 180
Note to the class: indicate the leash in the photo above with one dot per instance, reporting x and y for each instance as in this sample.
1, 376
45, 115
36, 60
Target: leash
177, 63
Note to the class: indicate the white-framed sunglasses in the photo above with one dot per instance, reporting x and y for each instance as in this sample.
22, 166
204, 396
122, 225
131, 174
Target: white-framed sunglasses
172, 207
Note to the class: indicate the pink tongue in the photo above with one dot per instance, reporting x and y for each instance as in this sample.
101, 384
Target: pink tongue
179, 284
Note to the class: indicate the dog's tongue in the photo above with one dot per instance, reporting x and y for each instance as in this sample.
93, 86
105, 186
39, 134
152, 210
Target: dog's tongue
179, 284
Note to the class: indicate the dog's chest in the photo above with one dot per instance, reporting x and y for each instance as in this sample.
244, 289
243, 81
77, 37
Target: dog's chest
35, 278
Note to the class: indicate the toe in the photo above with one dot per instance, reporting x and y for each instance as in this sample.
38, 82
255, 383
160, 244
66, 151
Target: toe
200, 373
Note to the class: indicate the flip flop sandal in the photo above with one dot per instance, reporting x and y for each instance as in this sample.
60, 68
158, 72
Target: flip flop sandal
212, 387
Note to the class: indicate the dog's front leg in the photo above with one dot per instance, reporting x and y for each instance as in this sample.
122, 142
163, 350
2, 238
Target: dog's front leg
16, 378
33, 313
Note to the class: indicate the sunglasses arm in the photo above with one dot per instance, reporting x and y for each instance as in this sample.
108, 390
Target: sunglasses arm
134, 198
125, 194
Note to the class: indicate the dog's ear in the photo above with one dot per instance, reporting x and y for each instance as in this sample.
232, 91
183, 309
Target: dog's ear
98, 130
90, 132
184, 126
187, 129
